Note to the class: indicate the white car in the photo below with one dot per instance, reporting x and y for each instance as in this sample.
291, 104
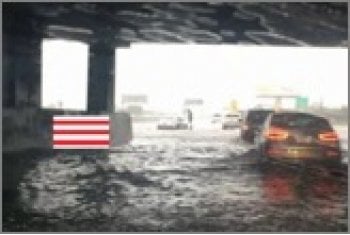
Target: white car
216, 118
173, 123
231, 120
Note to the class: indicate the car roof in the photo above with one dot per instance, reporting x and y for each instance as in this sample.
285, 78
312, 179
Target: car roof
256, 109
298, 113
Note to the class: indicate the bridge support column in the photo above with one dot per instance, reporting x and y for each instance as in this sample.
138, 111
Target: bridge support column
101, 94
101, 78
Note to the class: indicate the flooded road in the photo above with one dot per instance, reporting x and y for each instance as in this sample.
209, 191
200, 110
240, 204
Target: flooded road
200, 181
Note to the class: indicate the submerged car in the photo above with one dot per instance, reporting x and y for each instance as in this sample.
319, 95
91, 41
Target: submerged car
231, 120
299, 136
253, 123
172, 123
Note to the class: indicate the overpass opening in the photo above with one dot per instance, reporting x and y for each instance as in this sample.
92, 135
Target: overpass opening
64, 74
157, 80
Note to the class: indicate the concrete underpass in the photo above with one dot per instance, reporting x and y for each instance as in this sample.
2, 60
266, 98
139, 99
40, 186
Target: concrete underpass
200, 180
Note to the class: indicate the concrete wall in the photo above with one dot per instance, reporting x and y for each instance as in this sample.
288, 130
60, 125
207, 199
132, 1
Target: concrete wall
28, 128
31, 128
21, 72
121, 129
24, 124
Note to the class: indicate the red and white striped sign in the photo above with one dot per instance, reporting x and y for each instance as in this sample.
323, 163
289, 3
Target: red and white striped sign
81, 132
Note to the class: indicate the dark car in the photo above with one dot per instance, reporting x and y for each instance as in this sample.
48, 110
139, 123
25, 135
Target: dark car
253, 123
299, 136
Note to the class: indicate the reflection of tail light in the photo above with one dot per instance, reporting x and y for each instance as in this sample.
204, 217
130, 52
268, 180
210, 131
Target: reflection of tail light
277, 134
328, 138
279, 189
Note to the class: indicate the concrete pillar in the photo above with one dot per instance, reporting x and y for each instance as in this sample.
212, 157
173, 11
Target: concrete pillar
101, 78
28, 88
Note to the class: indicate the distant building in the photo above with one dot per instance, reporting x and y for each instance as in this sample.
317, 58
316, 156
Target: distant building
277, 95
140, 99
193, 102
134, 103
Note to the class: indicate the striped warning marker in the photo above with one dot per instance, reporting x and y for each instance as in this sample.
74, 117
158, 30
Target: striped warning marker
81, 132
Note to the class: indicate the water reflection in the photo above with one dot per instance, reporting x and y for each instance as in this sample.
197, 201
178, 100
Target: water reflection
317, 190
153, 191
279, 188
72, 185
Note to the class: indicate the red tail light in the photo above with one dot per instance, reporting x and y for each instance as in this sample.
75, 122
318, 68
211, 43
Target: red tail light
277, 134
329, 136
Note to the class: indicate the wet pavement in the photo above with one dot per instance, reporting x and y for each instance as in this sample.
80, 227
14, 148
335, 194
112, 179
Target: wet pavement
200, 181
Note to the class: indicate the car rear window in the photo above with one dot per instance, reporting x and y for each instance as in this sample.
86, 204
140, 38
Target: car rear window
258, 116
299, 121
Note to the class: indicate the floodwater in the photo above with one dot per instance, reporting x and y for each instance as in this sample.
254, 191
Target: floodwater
172, 181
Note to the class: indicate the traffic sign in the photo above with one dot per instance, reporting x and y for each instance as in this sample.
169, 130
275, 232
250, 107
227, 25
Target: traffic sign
301, 102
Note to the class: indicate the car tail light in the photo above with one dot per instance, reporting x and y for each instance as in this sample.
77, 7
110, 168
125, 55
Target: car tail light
277, 134
329, 136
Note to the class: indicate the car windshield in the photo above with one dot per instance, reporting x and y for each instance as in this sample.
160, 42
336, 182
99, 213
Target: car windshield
258, 116
297, 120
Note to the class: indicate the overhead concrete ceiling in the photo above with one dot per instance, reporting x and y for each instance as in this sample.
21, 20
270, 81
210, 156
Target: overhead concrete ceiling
300, 24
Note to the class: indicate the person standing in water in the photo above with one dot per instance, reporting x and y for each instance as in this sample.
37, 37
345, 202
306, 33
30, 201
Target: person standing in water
189, 118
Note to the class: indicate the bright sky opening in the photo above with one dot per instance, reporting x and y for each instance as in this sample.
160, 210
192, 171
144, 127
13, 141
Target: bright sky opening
170, 73
64, 74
